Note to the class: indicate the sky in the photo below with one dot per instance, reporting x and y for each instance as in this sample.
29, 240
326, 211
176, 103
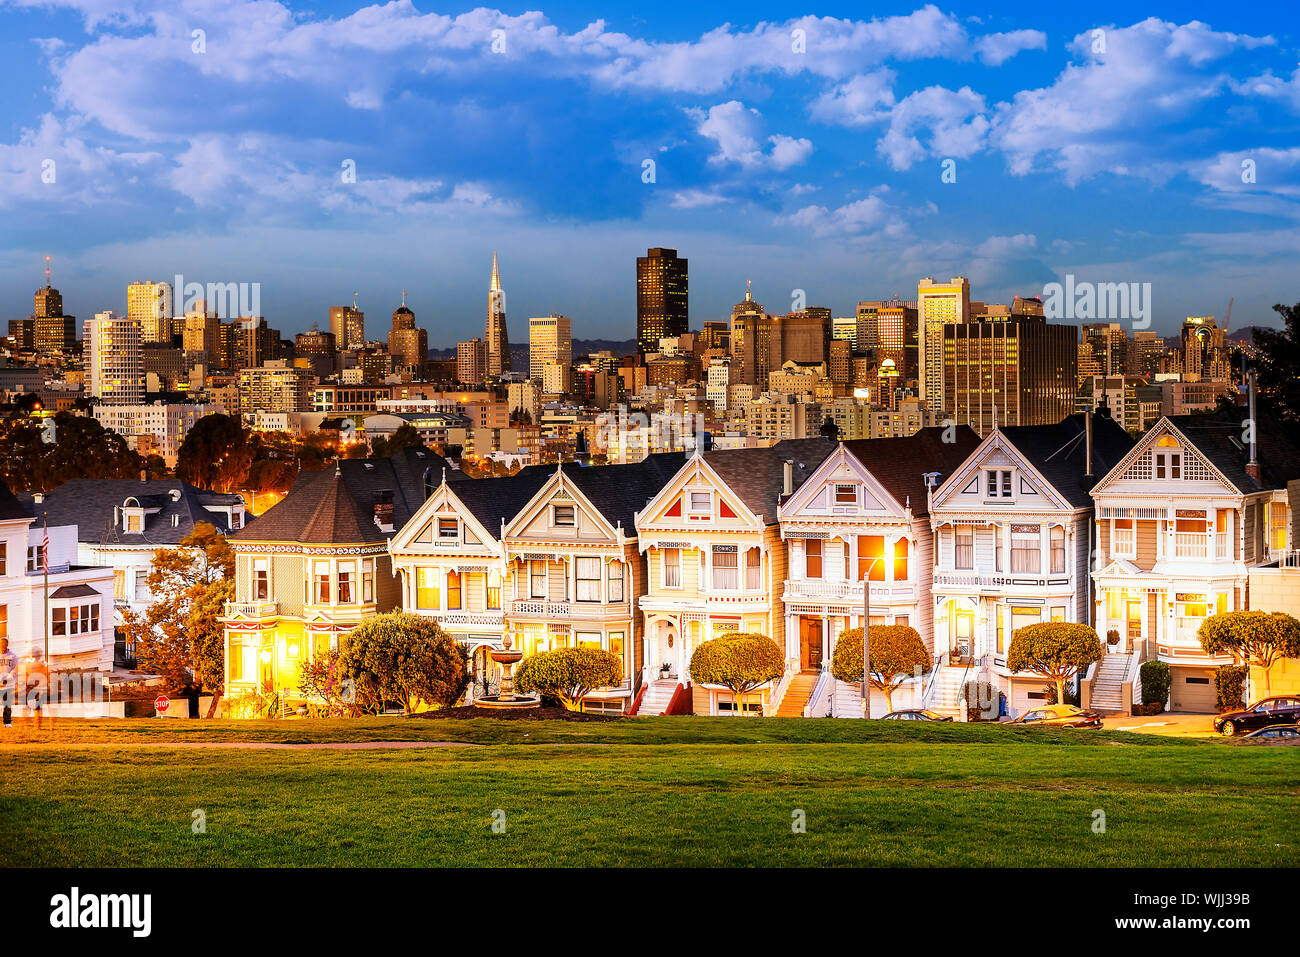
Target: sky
824, 152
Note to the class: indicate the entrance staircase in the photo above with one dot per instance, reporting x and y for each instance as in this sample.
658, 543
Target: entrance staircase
796, 696
1108, 686
658, 695
946, 695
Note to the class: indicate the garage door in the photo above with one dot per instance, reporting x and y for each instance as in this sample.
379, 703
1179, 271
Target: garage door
1192, 690
1026, 695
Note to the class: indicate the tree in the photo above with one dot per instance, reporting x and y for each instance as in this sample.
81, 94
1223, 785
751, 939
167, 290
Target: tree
830, 429
897, 652
180, 635
322, 678
569, 674
405, 658
739, 662
1278, 364
1057, 650
216, 454
1255, 637
406, 437
39, 456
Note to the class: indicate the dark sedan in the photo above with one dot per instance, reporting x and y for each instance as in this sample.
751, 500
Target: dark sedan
1280, 710
1288, 732
916, 714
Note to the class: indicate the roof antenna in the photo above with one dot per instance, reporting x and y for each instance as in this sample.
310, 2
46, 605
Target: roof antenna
47, 271
354, 299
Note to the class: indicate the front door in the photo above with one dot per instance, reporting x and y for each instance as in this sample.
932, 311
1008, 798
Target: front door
810, 644
1134, 620
964, 634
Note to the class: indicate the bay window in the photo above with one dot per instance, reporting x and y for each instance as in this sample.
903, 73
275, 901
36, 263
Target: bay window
537, 579
870, 548
587, 571
347, 570
426, 588
615, 581
754, 568
453, 590
1057, 541
261, 579
1026, 549
672, 568
367, 580
812, 552
900, 560
964, 547
321, 576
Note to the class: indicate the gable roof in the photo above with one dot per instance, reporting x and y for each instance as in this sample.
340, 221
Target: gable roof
619, 491
1059, 452
10, 507
90, 503
757, 476
490, 500
899, 463
1218, 436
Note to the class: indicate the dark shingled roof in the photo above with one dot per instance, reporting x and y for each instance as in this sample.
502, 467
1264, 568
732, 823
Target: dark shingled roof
492, 499
10, 507
1059, 452
620, 491
758, 475
89, 504
337, 505
1219, 437
899, 463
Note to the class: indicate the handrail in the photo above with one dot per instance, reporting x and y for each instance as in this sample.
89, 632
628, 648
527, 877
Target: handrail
635, 706
927, 690
680, 694
823, 682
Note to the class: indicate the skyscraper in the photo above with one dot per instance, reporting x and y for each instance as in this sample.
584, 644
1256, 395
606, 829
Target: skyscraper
1103, 350
550, 340
114, 364
471, 361
150, 304
348, 324
662, 298
938, 304
408, 345
496, 337
751, 342
53, 331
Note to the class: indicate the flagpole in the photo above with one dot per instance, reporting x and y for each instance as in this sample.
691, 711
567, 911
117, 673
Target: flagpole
45, 561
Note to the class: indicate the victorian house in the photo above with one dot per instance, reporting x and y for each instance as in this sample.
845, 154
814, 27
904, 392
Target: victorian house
860, 521
316, 564
1012, 526
716, 562
1180, 522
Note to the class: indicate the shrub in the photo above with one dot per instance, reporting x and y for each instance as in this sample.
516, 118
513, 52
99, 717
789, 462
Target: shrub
983, 701
1229, 686
569, 674
739, 662
328, 693
1054, 649
1112, 637
1154, 676
405, 658
897, 652
254, 705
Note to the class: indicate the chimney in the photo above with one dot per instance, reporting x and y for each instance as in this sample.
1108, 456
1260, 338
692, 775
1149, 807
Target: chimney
787, 484
1252, 466
1087, 443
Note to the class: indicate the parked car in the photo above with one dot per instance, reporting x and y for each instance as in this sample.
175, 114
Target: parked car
1284, 709
1059, 716
1274, 731
916, 714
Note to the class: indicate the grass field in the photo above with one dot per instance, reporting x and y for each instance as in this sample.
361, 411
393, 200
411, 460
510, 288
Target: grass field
663, 791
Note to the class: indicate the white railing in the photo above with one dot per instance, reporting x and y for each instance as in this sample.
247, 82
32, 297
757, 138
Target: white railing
1190, 544
817, 706
791, 669
1289, 558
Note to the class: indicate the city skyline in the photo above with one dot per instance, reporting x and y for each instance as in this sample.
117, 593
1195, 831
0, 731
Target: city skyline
823, 174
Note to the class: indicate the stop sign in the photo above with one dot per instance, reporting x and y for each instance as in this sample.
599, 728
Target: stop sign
161, 703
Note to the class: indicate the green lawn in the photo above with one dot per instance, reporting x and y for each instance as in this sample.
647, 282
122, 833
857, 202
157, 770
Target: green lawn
678, 791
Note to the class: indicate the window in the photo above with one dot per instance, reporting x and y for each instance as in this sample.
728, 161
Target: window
235, 670
812, 558
754, 569
1168, 460
134, 522
1057, 537
346, 573
426, 588
35, 558
870, 548
4, 556
846, 495
236, 520
141, 584
615, 581
1058, 613
1002, 632
453, 590
368, 580
1026, 549
537, 579
900, 560
119, 583
261, 579
1022, 616
1125, 539
448, 530
587, 571
587, 639
999, 560
616, 643
76, 620
58, 621
321, 574
672, 568
494, 591
964, 548
725, 570
563, 516
701, 502
4, 621
997, 483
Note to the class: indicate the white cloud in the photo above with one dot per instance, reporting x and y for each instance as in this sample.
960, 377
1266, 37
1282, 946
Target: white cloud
695, 199
952, 123
871, 216
858, 101
738, 131
996, 48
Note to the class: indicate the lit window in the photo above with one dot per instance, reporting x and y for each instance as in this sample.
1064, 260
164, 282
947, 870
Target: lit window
871, 549
812, 549
321, 574
346, 571
453, 590
537, 578
368, 580
261, 579
426, 588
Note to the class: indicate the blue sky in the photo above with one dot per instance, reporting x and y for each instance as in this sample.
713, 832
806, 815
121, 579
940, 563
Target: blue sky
804, 160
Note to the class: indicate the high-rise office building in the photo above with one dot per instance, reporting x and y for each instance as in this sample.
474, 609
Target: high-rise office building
895, 326
550, 340
1018, 366
53, 331
150, 304
203, 335
471, 361
1147, 354
662, 298
1103, 350
348, 323
114, 363
1203, 352
802, 336
938, 304
408, 345
751, 342
497, 339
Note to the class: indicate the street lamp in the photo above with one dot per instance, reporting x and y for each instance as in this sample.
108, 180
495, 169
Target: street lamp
866, 635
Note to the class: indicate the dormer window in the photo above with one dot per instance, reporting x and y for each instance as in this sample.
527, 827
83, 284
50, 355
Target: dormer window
132, 521
700, 502
448, 530
1168, 458
236, 519
997, 483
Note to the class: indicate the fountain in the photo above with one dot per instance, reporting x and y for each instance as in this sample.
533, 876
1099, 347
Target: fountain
506, 697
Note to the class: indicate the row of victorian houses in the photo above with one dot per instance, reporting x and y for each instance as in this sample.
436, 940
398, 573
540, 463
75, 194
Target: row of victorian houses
964, 539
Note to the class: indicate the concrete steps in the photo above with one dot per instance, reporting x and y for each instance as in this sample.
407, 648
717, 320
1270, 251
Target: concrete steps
1108, 685
796, 696
658, 695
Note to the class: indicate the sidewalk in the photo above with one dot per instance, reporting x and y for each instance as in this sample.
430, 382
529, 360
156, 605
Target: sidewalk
1175, 725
